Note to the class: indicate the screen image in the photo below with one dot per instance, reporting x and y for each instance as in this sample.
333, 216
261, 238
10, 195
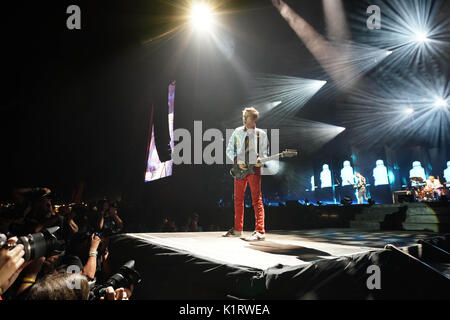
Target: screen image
155, 168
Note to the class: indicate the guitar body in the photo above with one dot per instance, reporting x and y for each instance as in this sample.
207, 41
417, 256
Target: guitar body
240, 174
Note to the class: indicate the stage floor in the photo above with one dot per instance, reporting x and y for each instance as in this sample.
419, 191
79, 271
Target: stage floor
289, 248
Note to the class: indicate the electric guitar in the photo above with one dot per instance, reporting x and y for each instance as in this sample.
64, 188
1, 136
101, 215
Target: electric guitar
240, 173
357, 186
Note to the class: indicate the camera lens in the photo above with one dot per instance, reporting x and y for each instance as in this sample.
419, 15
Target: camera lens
40, 244
124, 278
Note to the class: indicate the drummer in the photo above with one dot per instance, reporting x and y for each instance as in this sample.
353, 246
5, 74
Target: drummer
433, 185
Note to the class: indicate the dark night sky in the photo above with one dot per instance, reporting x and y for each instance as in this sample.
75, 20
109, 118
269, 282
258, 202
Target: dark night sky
76, 103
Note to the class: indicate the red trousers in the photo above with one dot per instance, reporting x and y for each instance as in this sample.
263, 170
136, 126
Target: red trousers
239, 193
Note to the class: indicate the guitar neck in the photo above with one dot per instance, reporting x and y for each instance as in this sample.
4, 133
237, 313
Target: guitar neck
279, 155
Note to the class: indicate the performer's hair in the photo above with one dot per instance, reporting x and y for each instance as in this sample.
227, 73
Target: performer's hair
247, 112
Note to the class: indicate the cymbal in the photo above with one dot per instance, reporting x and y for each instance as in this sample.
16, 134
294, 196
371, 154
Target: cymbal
418, 179
419, 185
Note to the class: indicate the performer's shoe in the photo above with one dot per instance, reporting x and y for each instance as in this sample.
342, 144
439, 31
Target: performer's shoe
232, 233
256, 236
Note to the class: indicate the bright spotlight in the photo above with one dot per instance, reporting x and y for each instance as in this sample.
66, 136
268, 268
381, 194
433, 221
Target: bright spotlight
340, 129
409, 110
275, 104
414, 29
388, 53
293, 92
320, 84
440, 103
201, 16
266, 107
421, 36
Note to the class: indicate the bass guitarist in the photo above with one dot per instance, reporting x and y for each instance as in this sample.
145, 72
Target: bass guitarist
243, 148
360, 186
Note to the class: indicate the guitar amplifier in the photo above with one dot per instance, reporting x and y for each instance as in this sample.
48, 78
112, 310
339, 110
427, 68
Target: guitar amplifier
401, 196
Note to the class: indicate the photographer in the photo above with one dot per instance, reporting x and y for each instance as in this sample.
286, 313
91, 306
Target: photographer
32, 250
11, 263
92, 252
18, 218
69, 226
82, 217
123, 282
51, 264
33, 211
59, 286
90, 268
110, 221
30, 274
70, 286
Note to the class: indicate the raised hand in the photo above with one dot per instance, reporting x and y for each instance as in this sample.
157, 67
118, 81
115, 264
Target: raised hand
11, 264
118, 294
95, 242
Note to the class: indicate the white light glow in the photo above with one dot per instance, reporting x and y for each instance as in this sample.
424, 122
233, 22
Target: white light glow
308, 135
421, 36
441, 103
201, 16
293, 92
417, 108
415, 29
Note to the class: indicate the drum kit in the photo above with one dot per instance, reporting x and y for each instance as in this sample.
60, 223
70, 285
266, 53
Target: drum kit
424, 193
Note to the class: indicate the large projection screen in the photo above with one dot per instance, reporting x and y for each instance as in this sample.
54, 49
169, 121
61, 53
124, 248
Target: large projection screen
155, 168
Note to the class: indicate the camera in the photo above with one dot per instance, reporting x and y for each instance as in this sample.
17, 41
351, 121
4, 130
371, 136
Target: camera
124, 278
41, 244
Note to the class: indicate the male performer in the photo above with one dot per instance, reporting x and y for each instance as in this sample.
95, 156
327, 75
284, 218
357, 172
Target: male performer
432, 188
447, 173
243, 148
360, 186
